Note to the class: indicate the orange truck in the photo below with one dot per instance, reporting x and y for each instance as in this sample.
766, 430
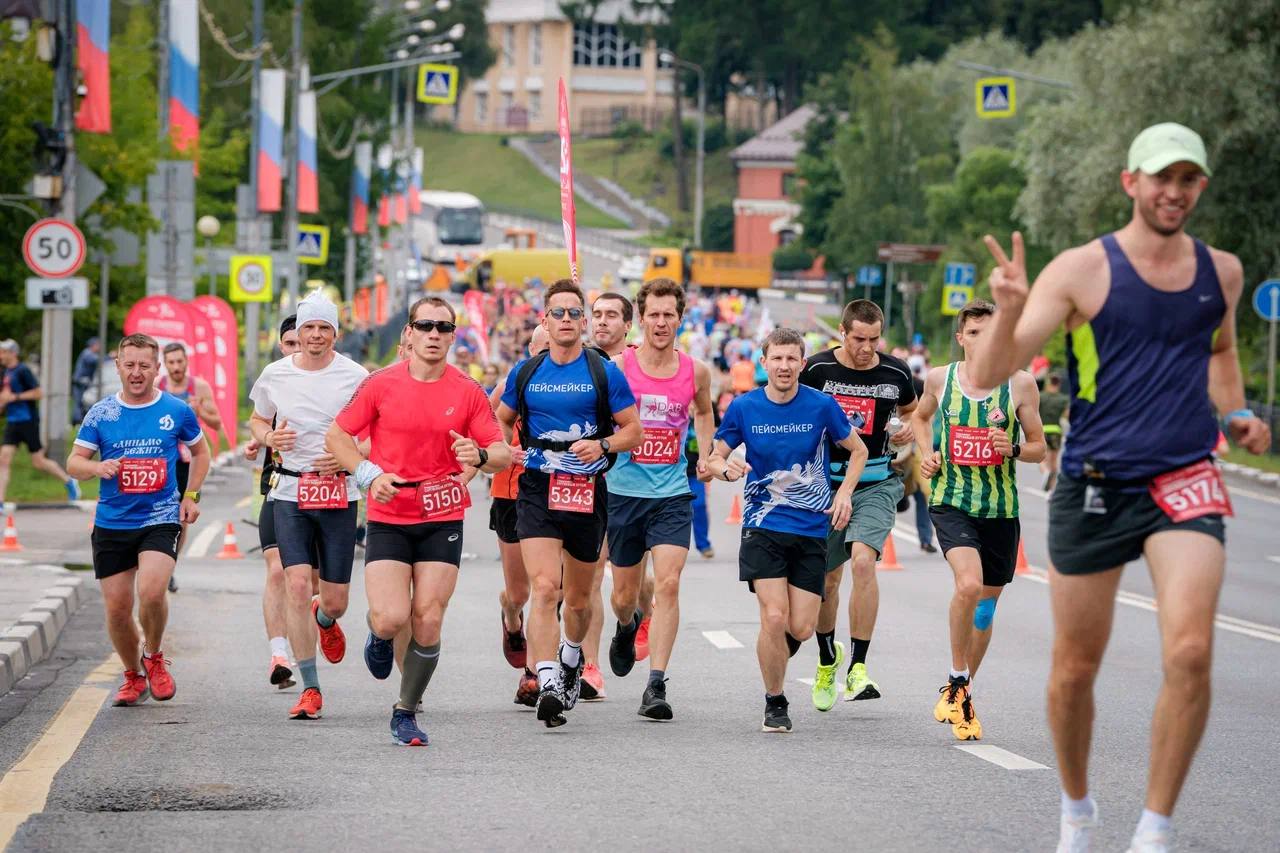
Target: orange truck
710, 270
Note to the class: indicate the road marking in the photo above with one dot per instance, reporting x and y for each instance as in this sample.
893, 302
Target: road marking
1000, 757
722, 639
1236, 490
24, 790
244, 502
201, 541
1273, 559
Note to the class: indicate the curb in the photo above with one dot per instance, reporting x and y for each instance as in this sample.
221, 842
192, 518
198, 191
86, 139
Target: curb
36, 633
1262, 478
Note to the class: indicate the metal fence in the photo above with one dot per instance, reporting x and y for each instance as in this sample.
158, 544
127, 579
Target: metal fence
603, 121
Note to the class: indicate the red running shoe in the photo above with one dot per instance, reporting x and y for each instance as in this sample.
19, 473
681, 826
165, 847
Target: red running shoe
281, 675
514, 647
592, 684
162, 686
134, 690
527, 691
332, 641
642, 639
308, 707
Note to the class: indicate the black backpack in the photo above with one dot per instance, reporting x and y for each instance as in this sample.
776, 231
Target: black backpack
604, 414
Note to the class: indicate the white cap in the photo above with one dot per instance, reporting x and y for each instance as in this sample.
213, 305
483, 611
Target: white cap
317, 307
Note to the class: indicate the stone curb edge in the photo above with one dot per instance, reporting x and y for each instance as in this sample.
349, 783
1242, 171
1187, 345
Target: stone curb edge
1263, 478
36, 633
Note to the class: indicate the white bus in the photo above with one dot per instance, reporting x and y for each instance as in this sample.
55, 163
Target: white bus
451, 224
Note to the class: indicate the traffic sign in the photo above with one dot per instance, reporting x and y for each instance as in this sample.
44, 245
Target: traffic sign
959, 274
53, 248
437, 84
995, 97
954, 297
908, 253
870, 276
312, 242
251, 278
1266, 300
45, 293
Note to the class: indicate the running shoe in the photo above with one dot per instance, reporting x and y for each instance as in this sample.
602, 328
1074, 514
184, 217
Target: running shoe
551, 707
968, 728
775, 715
332, 641
73, 490
955, 691
928, 547
654, 704
592, 684
622, 648
173, 583
1075, 832
379, 656
824, 682
158, 677
708, 553
571, 680
513, 644
642, 639
858, 686
404, 729
132, 691
281, 675
1150, 842
527, 690
308, 707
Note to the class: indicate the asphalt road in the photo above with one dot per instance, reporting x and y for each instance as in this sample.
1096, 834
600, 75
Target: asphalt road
221, 767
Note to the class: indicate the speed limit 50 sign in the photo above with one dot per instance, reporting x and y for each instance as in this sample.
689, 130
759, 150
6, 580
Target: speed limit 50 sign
53, 248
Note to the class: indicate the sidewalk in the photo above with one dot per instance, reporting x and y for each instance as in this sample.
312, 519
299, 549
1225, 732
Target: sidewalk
36, 602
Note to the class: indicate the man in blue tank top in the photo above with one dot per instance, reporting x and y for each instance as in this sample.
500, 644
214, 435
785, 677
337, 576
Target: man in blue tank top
1147, 310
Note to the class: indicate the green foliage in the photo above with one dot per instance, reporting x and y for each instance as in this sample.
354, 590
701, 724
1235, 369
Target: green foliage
792, 258
717, 228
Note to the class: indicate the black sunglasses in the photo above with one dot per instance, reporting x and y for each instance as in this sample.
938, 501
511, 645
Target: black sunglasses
574, 313
445, 327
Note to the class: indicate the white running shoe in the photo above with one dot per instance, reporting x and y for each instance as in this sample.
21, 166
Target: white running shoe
1150, 842
1075, 833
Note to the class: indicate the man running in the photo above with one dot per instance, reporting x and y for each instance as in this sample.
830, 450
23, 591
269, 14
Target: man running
426, 421
1151, 352
18, 395
567, 399
650, 504
874, 390
136, 435
788, 504
1053, 405
973, 499
315, 505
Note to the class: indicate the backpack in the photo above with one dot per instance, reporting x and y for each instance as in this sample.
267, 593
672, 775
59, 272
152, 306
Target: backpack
604, 414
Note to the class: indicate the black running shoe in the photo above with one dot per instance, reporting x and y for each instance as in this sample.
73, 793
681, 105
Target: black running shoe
173, 584
550, 707
654, 704
571, 680
775, 715
622, 648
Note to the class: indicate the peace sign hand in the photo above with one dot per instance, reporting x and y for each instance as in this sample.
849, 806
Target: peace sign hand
1009, 286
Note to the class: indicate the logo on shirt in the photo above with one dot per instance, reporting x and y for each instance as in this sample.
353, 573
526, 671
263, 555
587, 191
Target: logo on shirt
448, 411
166, 422
453, 537
655, 407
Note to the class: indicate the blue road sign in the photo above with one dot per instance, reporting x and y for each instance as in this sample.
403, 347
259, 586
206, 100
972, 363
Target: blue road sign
1266, 300
960, 274
870, 276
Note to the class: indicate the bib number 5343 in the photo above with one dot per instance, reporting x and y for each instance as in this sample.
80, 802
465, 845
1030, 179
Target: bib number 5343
571, 493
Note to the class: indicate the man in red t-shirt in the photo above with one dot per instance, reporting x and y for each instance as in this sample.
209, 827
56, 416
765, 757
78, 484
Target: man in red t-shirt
426, 420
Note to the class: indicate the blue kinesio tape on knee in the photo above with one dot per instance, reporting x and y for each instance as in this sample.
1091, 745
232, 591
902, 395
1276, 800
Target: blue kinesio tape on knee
984, 613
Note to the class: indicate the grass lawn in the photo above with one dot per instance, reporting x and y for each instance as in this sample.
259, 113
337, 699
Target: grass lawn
27, 485
478, 163
1266, 462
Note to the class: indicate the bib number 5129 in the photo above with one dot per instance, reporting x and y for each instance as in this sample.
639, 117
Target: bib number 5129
142, 476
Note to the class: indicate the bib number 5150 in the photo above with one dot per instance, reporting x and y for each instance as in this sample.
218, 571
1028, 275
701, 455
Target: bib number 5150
442, 497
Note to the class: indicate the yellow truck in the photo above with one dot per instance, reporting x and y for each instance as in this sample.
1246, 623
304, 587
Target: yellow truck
514, 267
718, 270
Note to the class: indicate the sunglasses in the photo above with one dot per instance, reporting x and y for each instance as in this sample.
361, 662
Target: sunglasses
574, 313
445, 327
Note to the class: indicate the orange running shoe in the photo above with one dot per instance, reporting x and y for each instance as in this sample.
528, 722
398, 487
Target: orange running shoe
281, 675
332, 641
308, 707
162, 686
592, 684
133, 691
527, 690
642, 640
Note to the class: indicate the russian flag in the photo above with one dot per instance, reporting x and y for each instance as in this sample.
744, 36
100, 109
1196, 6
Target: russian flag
93, 51
384, 212
184, 74
271, 86
308, 186
415, 184
360, 188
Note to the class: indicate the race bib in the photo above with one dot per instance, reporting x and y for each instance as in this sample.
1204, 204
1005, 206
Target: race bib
142, 476
661, 446
319, 492
972, 446
442, 497
861, 412
1191, 492
571, 492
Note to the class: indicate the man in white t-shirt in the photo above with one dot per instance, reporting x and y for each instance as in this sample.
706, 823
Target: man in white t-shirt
315, 504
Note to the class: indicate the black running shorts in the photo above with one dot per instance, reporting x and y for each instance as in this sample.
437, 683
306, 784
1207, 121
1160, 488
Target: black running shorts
23, 432
995, 540
581, 533
502, 519
267, 526
302, 535
425, 542
765, 554
116, 551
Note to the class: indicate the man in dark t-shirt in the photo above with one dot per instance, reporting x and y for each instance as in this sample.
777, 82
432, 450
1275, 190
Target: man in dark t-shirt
18, 396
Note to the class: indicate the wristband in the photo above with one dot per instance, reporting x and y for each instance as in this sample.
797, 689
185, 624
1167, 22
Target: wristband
1017, 451
366, 472
484, 457
1238, 413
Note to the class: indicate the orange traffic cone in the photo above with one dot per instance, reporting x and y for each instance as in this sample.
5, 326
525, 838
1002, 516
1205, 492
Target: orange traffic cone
1022, 567
735, 511
230, 551
10, 542
889, 557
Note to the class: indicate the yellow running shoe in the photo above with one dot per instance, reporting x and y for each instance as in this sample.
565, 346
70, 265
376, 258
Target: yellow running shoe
968, 728
948, 710
824, 682
858, 686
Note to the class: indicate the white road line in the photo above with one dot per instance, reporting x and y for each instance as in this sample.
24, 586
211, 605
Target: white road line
1273, 559
201, 541
722, 639
244, 502
1236, 490
1000, 757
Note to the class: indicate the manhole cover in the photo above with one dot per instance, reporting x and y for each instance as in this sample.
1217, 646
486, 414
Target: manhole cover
196, 798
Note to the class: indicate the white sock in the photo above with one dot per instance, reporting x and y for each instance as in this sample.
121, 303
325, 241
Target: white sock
546, 673
1152, 822
279, 648
960, 673
1082, 807
570, 653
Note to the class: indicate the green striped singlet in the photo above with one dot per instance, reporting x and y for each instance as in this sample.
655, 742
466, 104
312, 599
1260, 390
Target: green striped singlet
982, 491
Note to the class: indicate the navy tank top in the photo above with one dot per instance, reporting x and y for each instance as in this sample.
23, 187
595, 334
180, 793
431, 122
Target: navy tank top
1138, 373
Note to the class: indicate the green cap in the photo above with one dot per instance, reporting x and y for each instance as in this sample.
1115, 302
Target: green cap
1162, 145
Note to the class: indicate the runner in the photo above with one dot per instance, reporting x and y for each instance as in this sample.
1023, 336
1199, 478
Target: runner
22, 422
1053, 405
649, 497
136, 435
789, 506
426, 421
1151, 351
567, 401
974, 499
315, 505
874, 390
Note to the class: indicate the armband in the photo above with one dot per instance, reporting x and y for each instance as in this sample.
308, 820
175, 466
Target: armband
1238, 413
366, 472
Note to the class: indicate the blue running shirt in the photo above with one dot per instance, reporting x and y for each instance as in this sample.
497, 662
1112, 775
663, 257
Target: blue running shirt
562, 407
787, 489
115, 429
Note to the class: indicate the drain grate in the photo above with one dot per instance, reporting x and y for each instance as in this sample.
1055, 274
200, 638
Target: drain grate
196, 798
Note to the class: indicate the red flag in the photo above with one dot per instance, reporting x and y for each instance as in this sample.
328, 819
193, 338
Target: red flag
568, 214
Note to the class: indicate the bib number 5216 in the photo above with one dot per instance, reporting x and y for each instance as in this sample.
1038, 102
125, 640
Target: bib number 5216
972, 446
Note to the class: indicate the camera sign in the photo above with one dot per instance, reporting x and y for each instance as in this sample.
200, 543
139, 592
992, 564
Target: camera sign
45, 293
53, 248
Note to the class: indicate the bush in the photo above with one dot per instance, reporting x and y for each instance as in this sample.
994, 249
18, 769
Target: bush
717, 228
629, 129
792, 258
716, 137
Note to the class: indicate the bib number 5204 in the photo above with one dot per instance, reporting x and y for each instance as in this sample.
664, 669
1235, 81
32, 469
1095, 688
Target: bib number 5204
317, 492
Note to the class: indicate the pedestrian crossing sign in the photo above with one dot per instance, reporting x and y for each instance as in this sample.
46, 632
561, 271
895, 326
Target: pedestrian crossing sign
437, 84
954, 297
995, 97
312, 244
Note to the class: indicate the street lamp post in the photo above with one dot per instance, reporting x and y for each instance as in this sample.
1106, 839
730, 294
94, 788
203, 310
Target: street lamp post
209, 226
668, 56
